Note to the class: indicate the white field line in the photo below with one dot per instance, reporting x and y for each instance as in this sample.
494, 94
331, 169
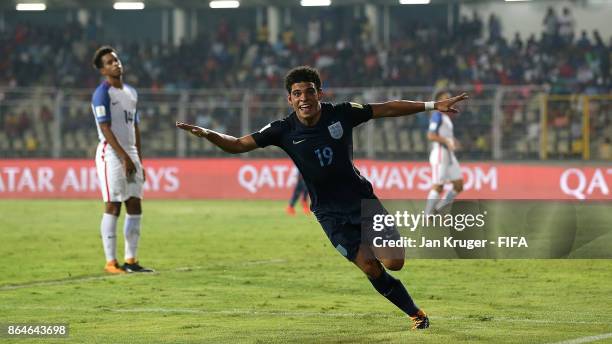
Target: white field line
586, 339
249, 312
305, 314
70, 280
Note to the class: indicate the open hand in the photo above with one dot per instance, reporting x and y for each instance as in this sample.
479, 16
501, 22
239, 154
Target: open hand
450, 144
446, 105
193, 129
129, 166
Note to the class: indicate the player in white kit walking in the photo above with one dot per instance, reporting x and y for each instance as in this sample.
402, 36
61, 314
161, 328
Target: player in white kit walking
118, 160
444, 165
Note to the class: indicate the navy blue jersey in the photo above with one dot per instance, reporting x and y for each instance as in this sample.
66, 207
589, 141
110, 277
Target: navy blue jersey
323, 154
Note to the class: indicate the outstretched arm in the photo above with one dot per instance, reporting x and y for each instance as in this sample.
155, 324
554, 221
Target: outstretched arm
227, 143
397, 108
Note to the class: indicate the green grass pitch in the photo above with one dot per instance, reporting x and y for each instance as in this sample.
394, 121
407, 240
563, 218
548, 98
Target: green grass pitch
244, 272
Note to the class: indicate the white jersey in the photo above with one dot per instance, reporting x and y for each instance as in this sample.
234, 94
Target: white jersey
444, 164
442, 125
117, 106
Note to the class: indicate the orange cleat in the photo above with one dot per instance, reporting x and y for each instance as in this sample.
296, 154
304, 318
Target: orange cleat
420, 321
290, 210
112, 267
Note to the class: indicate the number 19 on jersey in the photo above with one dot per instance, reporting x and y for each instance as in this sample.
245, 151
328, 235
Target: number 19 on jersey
325, 155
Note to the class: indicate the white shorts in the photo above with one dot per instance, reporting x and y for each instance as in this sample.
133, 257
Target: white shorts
114, 184
444, 166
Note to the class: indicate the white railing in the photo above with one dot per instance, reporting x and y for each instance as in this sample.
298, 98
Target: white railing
496, 123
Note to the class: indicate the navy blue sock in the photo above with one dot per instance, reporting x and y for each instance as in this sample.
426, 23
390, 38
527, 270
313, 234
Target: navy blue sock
394, 291
294, 196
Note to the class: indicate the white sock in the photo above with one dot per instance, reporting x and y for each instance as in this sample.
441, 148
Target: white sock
108, 231
131, 231
432, 199
450, 196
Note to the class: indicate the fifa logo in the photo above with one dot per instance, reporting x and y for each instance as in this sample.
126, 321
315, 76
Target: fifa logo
512, 242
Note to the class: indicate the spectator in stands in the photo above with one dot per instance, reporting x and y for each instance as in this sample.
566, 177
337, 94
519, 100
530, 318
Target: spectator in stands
495, 28
46, 115
606, 55
475, 30
566, 26
23, 123
517, 42
583, 43
31, 143
11, 125
551, 25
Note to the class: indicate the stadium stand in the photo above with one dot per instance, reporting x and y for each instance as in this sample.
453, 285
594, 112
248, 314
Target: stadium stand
226, 72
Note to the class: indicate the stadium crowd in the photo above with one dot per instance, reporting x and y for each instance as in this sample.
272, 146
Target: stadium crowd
233, 56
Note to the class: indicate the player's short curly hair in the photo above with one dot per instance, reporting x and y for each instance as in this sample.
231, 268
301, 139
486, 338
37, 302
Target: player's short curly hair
302, 74
96, 61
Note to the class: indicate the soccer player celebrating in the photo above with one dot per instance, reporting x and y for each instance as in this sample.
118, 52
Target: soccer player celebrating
318, 138
444, 165
118, 160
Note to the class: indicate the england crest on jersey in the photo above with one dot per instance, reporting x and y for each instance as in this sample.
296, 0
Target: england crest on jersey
335, 130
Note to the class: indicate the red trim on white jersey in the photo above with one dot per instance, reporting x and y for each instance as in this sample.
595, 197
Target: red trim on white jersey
105, 172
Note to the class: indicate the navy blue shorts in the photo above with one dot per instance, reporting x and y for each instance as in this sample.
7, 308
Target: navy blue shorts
347, 231
344, 234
